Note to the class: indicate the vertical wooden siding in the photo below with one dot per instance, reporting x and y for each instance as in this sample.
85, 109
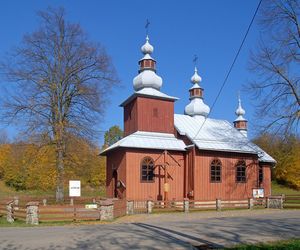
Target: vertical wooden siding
138, 190
116, 159
228, 188
148, 114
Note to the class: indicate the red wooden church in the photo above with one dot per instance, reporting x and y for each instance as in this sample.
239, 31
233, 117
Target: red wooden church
167, 156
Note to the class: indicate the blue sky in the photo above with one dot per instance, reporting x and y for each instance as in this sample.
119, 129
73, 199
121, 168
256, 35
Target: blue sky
179, 29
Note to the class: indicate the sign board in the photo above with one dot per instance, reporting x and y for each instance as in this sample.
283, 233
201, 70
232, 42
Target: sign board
90, 206
258, 193
74, 189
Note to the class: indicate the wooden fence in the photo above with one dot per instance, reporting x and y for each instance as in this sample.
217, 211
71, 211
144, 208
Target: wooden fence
2, 208
67, 213
168, 205
291, 201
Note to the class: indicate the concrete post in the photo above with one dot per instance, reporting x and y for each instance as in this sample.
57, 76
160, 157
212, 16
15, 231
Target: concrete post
281, 201
267, 202
44, 202
150, 205
250, 203
106, 208
186, 205
130, 207
32, 210
71, 202
10, 211
16, 201
218, 204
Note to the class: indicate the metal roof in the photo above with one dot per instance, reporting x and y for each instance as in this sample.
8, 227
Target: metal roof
148, 92
149, 140
219, 135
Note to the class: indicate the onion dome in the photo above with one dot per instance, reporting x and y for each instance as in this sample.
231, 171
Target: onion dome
240, 112
196, 107
147, 77
240, 123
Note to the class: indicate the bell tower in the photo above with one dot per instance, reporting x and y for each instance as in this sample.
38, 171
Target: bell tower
148, 109
240, 123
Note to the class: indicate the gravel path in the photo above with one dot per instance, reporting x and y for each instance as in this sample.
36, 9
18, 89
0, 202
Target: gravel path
161, 231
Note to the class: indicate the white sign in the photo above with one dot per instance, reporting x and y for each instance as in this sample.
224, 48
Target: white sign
74, 189
90, 206
258, 193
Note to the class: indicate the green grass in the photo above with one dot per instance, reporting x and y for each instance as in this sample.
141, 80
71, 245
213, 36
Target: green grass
6, 192
293, 244
278, 189
17, 223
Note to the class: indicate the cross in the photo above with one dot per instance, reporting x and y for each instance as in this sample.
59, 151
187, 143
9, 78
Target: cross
195, 60
146, 26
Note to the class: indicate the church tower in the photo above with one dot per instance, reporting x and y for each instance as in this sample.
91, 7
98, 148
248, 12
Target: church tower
196, 107
148, 109
240, 123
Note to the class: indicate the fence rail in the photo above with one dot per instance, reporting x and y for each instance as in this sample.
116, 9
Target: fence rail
291, 201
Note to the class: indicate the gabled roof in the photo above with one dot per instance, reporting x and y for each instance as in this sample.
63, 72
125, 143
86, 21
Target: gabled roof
151, 93
218, 135
148, 140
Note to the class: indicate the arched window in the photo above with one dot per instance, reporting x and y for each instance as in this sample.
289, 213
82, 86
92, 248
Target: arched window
147, 169
241, 171
216, 171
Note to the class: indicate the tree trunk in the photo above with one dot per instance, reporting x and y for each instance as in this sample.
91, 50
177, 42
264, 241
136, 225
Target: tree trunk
60, 172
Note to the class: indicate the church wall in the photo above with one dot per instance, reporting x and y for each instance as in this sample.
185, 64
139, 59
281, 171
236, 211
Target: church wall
130, 118
139, 190
148, 114
266, 184
228, 188
115, 160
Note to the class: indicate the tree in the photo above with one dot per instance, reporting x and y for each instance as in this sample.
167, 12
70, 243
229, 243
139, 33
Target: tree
276, 64
111, 136
59, 84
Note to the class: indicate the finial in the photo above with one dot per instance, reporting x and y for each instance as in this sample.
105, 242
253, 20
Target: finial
240, 111
147, 27
147, 48
195, 60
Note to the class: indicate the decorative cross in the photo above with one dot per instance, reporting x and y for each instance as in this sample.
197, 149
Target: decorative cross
147, 26
195, 60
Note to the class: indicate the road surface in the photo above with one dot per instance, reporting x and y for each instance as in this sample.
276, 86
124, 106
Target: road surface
195, 230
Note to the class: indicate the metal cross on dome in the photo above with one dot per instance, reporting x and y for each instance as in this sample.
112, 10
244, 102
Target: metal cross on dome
147, 26
195, 60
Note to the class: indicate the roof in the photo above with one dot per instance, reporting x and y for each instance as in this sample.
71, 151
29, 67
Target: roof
218, 135
149, 140
149, 92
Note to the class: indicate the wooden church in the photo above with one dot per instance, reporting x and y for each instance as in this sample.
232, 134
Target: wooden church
167, 156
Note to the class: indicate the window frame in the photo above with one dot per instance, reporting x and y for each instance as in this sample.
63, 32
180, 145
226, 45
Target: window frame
147, 164
217, 163
239, 164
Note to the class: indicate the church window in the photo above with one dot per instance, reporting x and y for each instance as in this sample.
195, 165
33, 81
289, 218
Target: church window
147, 169
241, 171
215, 171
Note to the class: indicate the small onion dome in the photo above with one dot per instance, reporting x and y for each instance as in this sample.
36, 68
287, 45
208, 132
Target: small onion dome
196, 78
240, 112
147, 48
197, 107
147, 79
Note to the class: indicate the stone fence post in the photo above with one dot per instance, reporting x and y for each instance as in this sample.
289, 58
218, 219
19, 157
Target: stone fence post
150, 205
32, 211
129, 207
10, 211
250, 203
106, 208
186, 205
218, 204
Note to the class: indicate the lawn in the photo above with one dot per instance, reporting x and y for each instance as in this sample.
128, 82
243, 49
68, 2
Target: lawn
278, 189
6, 192
293, 244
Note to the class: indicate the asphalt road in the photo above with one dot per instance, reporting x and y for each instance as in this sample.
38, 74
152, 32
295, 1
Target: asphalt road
161, 231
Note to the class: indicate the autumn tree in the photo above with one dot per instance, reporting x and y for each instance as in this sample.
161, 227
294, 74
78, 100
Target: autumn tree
113, 135
276, 64
59, 84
